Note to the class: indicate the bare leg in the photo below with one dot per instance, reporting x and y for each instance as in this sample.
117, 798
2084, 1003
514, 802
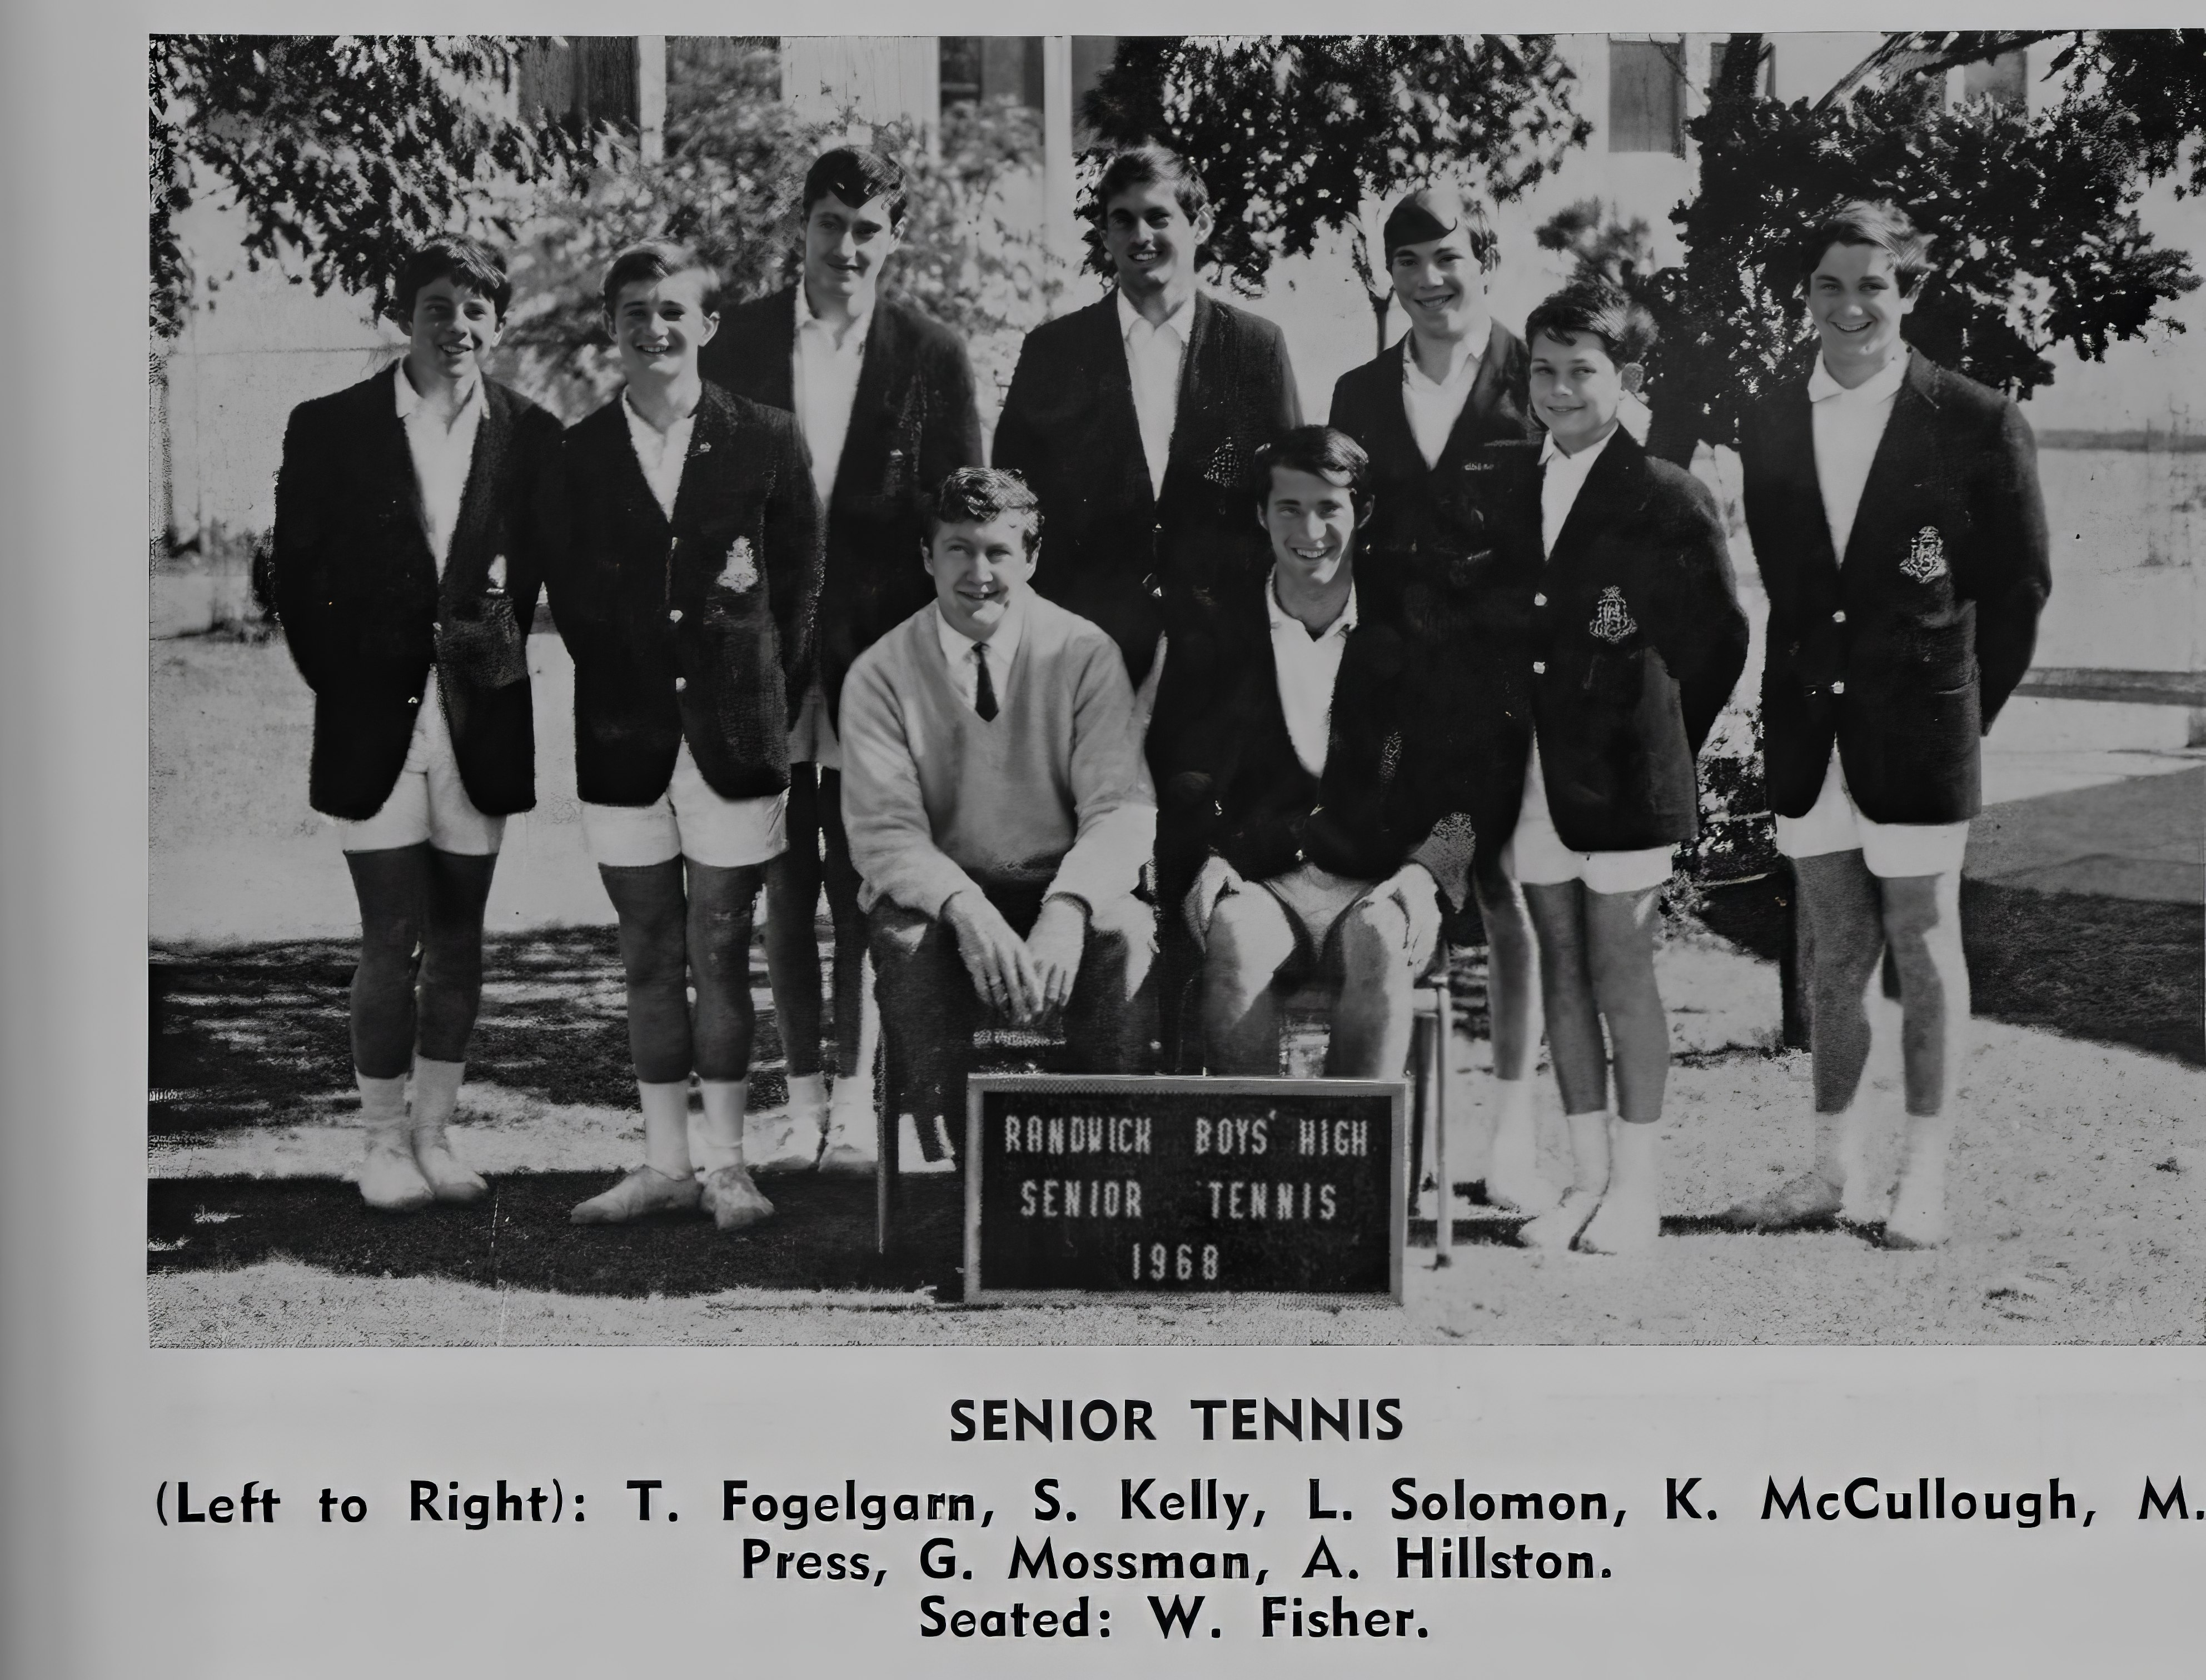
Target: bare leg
792, 947
1574, 1039
1922, 923
392, 885
1512, 1175
1248, 941
1372, 1021
1620, 930
654, 911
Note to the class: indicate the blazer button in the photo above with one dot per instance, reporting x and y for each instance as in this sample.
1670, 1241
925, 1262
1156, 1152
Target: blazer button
675, 616
1539, 667
1839, 688
1839, 616
1539, 600
414, 699
679, 684
437, 627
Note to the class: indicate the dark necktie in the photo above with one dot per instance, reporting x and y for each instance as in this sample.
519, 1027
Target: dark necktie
984, 691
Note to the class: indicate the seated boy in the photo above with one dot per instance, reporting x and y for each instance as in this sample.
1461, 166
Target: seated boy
998, 808
686, 595
1632, 639
1297, 786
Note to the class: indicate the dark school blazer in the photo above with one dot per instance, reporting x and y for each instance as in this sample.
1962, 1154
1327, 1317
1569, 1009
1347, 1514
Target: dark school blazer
1632, 640
1905, 654
1134, 561
699, 629
1229, 783
366, 616
913, 421
1430, 548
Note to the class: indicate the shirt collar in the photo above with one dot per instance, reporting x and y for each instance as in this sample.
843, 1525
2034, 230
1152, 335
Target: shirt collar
1464, 371
1180, 323
1880, 387
1281, 617
957, 646
638, 423
410, 400
1584, 460
861, 324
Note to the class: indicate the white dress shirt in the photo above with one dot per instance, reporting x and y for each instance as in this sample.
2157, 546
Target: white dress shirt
1433, 406
1154, 355
827, 387
442, 456
1306, 666
661, 454
964, 670
1848, 425
1561, 477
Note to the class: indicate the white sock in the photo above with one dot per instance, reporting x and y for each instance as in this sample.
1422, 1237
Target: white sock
1634, 1173
1923, 1168
436, 1094
666, 1126
720, 1136
1589, 1150
382, 1107
808, 1099
1842, 1146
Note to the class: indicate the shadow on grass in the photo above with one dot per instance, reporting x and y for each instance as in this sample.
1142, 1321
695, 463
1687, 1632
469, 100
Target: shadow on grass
242, 1036
821, 1237
2120, 971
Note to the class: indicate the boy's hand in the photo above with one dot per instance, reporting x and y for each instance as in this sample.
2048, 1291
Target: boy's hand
1060, 934
996, 957
1413, 888
1216, 879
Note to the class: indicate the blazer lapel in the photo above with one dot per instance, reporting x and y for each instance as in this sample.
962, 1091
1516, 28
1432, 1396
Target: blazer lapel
873, 414
642, 506
1610, 485
468, 565
1118, 428
776, 352
1489, 390
1901, 453
1793, 451
393, 464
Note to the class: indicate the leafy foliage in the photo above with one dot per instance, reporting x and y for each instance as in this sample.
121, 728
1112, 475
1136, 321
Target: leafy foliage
1598, 245
1299, 136
2035, 242
731, 184
342, 151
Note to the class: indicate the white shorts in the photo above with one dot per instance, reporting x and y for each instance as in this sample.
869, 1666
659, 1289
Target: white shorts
812, 737
1892, 850
688, 820
429, 802
1536, 856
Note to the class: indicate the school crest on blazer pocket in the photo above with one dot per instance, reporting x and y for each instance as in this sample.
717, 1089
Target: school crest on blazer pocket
1390, 757
1926, 556
741, 570
1613, 622
1224, 469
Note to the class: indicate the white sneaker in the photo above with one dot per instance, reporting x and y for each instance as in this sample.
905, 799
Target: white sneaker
1559, 1227
732, 1199
781, 1142
851, 1146
389, 1179
645, 1191
449, 1179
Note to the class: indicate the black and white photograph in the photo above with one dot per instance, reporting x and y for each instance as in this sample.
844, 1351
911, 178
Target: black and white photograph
714, 597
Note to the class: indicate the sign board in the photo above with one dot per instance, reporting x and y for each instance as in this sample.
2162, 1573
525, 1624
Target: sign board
1128, 1185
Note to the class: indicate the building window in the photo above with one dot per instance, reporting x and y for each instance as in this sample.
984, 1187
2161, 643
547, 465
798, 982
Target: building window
2005, 81
981, 68
1647, 95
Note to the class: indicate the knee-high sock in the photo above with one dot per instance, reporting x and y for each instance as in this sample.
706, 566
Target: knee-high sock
382, 1107
436, 1095
1589, 1150
666, 1126
720, 1136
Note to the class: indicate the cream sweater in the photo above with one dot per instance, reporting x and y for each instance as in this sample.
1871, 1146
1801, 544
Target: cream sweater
1055, 790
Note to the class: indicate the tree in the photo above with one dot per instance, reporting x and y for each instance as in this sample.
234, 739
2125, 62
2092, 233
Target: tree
1301, 135
731, 185
1599, 247
342, 151
2036, 238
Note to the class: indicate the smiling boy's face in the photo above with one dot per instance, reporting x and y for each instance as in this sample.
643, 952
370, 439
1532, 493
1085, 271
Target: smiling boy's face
1311, 522
1150, 239
1441, 287
1855, 300
1577, 387
452, 328
845, 247
660, 325
980, 568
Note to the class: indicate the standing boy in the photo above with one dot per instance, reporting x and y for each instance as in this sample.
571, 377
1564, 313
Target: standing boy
999, 810
1290, 752
1135, 419
1423, 410
884, 396
1633, 639
415, 516
686, 596
1896, 516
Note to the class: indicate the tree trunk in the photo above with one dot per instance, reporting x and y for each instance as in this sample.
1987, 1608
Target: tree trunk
1381, 303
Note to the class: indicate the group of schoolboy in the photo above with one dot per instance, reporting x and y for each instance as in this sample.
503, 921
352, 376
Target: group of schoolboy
1179, 708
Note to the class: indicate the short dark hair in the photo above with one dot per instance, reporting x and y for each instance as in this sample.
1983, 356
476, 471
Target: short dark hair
856, 176
654, 260
1877, 222
1625, 330
464, 262
1318, 451
976, 495
1434, 211
1149, 164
